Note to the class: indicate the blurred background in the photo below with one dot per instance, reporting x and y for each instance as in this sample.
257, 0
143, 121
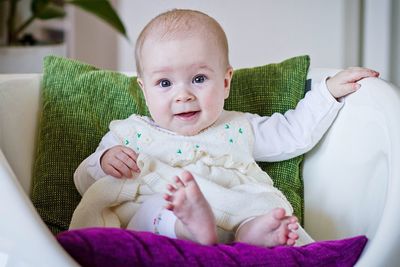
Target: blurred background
336, 34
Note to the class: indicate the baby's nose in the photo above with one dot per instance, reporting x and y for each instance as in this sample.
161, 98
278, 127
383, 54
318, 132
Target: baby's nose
184, 96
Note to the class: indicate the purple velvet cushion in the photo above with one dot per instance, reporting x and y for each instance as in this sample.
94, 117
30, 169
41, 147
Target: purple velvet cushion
118, 247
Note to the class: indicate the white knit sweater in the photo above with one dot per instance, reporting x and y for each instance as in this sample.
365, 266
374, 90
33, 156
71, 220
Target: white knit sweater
220, 158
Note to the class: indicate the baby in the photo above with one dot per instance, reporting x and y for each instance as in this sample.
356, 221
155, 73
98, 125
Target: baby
203, 156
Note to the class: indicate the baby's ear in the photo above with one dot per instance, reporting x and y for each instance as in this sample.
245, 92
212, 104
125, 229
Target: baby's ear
227, 81
140, 82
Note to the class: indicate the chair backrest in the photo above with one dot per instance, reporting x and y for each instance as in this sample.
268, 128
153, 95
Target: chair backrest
19, 114
352, 177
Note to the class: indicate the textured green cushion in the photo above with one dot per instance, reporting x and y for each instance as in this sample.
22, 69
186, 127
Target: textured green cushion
80, 100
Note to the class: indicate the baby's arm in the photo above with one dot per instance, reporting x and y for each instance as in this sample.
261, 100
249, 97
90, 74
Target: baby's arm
284, 136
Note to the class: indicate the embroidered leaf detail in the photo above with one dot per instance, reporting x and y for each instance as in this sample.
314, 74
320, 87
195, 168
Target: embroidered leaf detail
197, 146
240, 130
230, 140
227, 126
126, 142
179, 151
139, 135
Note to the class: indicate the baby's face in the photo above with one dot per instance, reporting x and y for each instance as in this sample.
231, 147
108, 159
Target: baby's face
184, 82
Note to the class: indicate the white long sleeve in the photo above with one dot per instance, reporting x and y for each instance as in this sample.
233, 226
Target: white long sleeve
284, 136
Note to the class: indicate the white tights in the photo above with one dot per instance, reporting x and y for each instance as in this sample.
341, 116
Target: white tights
153, 217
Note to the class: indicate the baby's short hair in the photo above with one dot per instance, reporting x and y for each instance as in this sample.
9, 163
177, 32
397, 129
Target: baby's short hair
178, 23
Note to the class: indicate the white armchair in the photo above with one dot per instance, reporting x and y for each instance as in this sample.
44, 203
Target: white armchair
352, 177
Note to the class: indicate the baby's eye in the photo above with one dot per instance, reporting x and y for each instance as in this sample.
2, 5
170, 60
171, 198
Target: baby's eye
199, 79
165, 83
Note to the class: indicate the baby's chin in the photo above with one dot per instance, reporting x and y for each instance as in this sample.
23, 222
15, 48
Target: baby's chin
188, 132
191, 130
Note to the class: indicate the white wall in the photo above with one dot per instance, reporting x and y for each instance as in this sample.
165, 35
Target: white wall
380, 46
91, 40
335, 34
262, 31
377, 36
395, 43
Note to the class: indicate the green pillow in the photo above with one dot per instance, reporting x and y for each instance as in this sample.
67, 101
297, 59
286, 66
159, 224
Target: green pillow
79, 101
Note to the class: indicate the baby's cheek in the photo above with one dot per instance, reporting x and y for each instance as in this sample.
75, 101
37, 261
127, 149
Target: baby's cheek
215, 101
159, 109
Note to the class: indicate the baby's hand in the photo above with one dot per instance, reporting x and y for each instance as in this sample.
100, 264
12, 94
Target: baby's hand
119, 161
345, 82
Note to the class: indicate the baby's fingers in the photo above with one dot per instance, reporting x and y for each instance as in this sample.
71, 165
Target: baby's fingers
122, 168
129, 158
110, 170
129, 162
356, 74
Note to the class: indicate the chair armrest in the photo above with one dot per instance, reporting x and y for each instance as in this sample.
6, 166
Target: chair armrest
24, 238
19, 116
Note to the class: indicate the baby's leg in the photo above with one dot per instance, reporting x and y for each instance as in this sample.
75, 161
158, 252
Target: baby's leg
153, 217
268, 230
196, 219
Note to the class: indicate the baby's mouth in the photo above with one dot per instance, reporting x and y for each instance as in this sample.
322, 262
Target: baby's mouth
187, 115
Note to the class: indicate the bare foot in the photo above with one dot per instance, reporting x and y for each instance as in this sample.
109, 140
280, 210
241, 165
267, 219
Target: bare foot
196, 219
268, 230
